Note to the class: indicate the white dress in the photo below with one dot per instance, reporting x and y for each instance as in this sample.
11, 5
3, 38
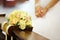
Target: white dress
43, 3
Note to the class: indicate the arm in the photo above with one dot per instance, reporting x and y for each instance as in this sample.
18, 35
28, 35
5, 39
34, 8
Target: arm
51, 4
40, 12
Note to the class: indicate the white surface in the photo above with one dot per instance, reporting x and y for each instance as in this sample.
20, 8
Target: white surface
48, 26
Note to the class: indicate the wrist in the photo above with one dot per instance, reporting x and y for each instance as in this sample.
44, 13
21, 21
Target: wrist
46, 9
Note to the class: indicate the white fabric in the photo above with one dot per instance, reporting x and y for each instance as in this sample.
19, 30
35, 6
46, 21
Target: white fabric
43, 3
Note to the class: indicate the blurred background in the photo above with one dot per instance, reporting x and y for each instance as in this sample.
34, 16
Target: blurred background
48, 26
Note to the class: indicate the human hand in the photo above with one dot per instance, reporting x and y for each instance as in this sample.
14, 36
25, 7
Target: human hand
39, 11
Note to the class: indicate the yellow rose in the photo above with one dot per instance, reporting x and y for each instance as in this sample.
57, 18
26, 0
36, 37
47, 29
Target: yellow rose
21, 17
22, 24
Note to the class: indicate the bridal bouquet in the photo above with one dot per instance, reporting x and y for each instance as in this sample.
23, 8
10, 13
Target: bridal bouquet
20, 18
